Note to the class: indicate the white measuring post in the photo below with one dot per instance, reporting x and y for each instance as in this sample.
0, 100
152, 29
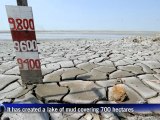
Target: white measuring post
22, 28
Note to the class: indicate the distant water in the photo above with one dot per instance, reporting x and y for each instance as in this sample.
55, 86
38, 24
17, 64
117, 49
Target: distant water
59, 35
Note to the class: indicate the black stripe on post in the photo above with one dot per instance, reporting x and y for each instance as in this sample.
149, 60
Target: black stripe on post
22, 3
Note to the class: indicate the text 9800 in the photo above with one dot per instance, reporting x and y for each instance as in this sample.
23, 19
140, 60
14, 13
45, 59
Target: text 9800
21, 24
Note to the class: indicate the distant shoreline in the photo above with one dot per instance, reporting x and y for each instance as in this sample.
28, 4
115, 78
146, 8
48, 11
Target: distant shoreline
86, 31
100, 35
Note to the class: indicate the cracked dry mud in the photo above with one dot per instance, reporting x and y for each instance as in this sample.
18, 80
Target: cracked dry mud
85, 71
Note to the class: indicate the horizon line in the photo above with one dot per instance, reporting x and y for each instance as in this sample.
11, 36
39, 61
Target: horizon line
76, 30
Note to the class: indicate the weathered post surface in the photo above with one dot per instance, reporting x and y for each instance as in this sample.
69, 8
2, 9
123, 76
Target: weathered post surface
22, 28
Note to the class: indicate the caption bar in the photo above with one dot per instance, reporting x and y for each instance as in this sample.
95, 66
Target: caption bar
96, 108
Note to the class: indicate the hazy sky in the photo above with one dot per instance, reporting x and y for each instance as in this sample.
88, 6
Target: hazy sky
141, 15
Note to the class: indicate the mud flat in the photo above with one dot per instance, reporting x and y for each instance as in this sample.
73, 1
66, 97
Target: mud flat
86, 71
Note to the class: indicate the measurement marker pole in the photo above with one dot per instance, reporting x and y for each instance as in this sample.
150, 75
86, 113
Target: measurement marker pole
22, 28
